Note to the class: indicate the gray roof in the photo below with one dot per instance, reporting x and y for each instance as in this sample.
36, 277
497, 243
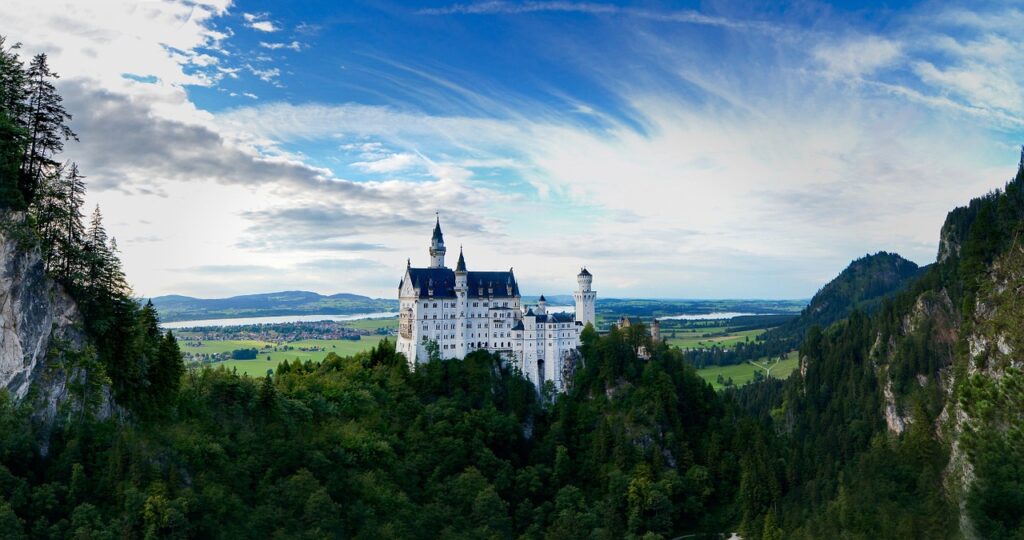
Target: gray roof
437, 231
553, 317
461, 266
481, 284
584, 272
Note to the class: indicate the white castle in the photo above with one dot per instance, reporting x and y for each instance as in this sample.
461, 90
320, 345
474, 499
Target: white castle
462, 311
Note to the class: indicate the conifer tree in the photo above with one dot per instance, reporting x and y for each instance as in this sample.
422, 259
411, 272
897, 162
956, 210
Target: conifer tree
12, 134
45, 121
72, 231
166, 371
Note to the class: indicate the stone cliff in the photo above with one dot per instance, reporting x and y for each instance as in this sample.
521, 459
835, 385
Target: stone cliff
40, 326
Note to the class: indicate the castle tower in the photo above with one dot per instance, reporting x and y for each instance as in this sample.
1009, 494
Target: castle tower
585, 298
437, 249
655, 331
542, 305
461, 303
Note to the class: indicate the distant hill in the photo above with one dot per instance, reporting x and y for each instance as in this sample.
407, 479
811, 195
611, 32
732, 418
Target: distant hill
185, 308
864, 284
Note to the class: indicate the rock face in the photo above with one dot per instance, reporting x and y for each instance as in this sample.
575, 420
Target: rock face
38, 322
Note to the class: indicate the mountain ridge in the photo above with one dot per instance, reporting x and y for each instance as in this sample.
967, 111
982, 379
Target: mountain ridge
176, 307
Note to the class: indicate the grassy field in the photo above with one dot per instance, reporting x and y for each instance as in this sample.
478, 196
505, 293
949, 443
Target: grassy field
693, 338
373, 324
259, 366
743, 373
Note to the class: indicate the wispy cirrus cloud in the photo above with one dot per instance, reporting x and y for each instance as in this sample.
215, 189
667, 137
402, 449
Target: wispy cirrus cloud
682, 152
294, 45
590, 8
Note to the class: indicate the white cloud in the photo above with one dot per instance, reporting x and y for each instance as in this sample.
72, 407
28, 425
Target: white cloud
859, 56
265, 75
778, 173
294, 45
390, 163
260, 21
264, 26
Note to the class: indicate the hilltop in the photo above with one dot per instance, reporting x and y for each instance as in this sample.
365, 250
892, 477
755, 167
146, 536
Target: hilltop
863, 285
185, 308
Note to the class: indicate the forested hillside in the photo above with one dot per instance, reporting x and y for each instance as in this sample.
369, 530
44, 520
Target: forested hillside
906, 423
863, 285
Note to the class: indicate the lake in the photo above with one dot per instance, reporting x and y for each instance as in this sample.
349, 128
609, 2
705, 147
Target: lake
245, 321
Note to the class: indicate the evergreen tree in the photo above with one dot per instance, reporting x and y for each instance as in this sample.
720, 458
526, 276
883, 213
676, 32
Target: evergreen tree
12, 133
166, 371
72, 231
45, 121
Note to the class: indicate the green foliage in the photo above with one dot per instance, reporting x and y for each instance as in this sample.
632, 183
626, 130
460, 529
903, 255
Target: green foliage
863, 285
364, 447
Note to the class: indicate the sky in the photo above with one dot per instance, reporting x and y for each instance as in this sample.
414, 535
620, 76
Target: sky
675, 149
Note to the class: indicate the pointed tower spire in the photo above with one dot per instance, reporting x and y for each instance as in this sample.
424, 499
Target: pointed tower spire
461, 265
437, 228
437, 249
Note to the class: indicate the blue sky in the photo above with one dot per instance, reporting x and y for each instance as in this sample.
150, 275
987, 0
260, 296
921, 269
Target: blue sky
716, 149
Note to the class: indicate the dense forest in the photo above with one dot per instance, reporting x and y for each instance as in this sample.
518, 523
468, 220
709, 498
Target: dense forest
636, 448
841, 470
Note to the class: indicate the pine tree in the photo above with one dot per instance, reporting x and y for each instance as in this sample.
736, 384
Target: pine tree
166, 371
267, 397
72, 231
48, 210
12, 134
45, 120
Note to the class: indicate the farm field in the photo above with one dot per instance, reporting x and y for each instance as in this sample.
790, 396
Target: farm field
693, 338
259, 366
373, 324
743, 373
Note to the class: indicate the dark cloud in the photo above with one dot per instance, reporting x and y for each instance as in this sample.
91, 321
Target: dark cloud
125, 146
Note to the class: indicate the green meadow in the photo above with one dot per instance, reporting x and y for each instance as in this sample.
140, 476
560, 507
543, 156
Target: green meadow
706, 337
373, 324
268, 358
743, 373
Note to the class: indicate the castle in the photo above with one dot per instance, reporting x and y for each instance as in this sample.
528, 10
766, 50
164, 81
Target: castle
461, 311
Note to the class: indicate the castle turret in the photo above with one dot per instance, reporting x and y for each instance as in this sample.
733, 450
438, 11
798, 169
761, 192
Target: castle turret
585, 298
437, 249
461, 303
542, 305
655, 330
460, 273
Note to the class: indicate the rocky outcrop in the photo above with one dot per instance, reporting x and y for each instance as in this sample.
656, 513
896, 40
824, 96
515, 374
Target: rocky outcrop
40, 325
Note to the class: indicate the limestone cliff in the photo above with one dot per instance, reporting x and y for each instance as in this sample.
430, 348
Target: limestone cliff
40, 326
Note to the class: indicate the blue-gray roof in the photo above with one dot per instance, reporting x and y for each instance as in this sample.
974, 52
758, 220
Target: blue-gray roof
461, 266
481, 284
437, 231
